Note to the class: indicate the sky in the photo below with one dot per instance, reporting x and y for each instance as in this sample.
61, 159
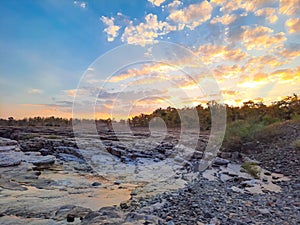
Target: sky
119, 58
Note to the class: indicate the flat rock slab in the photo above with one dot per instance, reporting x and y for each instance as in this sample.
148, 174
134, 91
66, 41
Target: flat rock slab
6, 142
10, 185
8, 148
42, 160
10, 159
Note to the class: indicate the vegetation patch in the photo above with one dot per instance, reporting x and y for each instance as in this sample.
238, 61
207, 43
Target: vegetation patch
296, 144
252, 168
28, 136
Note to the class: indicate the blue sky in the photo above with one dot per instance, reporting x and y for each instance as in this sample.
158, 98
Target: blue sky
47, 45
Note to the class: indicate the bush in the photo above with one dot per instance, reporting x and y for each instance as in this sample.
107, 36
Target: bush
267, 120
252, 168
242, 130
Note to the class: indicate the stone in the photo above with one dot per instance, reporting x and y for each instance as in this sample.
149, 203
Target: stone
10, 159
117, 182
10, 185
220, 162
69, 158
96, 184
43, 160
71, 211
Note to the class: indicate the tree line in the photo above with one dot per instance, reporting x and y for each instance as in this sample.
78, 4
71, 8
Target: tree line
285, 109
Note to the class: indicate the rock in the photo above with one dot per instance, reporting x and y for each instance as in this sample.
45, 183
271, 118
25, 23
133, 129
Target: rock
197, 155
8, 148
124, 205
111, 212
69, 158
116, 151
10, 185
178, 159
43, 160
225, 155
220, 162
10, 159
214, 221
70, 212
96, 184
236, 189
7, 142
264, 211
70, 218
117, 182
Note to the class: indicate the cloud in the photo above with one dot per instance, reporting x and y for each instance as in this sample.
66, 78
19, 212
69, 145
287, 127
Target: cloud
260, 37
174, 4
289, 7
269, 13
210, 53
111, 29
192, 16
249, 6
287, 74
70, 93
263, 61
146, 33
225, 20
80, 4
291, 51
293, 25
145, 70
157, 2
34, 91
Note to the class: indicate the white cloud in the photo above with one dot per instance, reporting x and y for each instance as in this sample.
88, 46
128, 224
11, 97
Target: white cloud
111, 30
157, 2
192, 16
174, 4
34, 91
80, 4
147, 32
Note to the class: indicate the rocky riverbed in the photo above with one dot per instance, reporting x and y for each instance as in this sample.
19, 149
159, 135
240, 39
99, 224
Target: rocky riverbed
46, 178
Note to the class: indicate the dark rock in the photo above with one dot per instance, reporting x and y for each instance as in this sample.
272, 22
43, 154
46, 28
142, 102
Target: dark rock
220, 162
70, 218
96, 184
43, 160
117, 182
124, 205
69, 158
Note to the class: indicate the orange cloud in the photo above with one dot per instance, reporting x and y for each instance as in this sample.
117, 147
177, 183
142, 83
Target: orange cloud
210, 53
225, 20
192, 16
289, 7
287, 74
293, 25
260, 37
269, 13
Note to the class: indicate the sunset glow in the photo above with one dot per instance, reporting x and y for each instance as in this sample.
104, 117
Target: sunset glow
250, 48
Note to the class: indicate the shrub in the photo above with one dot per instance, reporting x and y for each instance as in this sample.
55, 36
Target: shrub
252, 168
240, 131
